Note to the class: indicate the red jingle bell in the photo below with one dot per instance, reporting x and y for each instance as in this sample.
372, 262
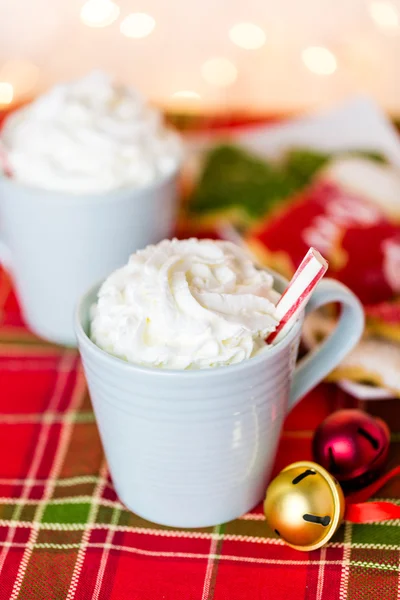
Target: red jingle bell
353, 446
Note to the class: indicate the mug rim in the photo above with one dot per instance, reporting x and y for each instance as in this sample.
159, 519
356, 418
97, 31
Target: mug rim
45, 194
119, 363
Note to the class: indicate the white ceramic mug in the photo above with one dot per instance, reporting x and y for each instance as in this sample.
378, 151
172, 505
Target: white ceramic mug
57, 244
196, 448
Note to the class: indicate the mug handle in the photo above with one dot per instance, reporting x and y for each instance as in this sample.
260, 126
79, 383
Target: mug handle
319, 362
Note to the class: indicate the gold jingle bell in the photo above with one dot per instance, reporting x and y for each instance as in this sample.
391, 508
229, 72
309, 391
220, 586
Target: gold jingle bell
304, 505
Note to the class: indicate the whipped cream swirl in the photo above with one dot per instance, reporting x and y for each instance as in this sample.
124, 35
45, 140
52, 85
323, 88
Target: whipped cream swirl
187, 304
89, 136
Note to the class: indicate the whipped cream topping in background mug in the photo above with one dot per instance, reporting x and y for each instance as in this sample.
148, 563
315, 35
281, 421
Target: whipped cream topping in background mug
89, 136
185, 304
94, 177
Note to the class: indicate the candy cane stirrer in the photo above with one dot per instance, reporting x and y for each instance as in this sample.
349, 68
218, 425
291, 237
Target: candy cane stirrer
313, 267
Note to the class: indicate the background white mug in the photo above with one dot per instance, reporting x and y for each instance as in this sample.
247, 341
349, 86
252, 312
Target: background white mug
57, 244
196, 448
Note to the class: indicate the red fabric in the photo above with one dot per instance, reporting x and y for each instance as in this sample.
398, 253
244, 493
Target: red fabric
64, 534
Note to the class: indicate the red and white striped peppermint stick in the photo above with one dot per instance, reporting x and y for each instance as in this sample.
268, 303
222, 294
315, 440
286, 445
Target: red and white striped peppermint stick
312, 268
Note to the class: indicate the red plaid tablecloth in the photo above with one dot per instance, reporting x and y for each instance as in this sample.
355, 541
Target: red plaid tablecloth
64, 534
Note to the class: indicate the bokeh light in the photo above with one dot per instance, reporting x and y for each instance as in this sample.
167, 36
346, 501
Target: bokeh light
319, 60
99, 13
137, 25
384, 14
219, 71
6, 93
247, 36
186, 94
23, 75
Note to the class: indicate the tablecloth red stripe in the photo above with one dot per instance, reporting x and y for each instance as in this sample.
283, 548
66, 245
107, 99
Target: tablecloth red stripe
63, 533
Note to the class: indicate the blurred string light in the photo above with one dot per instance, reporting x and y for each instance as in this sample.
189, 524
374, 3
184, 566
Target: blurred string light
319, 60
6, 93
186, 95
99, 13
219, 71
384, 14
187, 100
21, 74
137, 25
247, 36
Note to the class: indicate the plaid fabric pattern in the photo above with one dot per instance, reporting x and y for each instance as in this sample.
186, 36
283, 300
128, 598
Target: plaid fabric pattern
65, 535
